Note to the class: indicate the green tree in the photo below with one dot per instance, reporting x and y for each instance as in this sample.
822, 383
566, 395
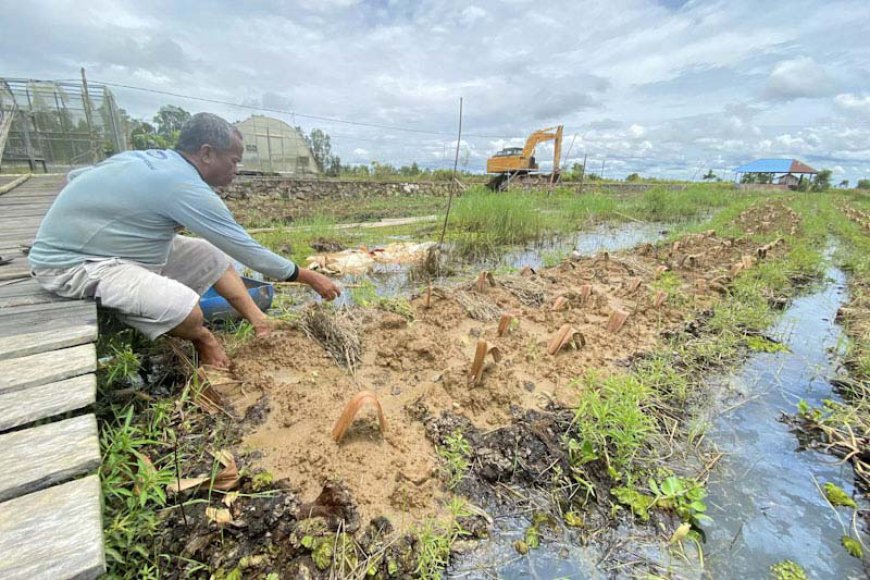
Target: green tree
709, 176
321, 148
143, 135
333, 169
633, 177
169, 120
574, 173
844, 184
823, 180
320, 145
863, 184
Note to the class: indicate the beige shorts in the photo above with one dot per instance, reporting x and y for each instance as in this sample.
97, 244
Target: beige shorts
151, 299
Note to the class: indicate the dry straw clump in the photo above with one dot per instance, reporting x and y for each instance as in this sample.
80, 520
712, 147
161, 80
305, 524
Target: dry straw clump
336, 331
477, 306
528, 292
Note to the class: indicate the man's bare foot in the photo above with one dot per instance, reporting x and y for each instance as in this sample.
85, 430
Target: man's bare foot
211, 352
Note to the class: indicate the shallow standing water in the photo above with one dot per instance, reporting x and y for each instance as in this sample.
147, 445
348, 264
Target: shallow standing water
764, 500
395, 279
602, 237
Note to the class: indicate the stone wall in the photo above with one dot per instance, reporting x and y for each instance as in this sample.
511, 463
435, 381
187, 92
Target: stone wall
320, 189
304, 190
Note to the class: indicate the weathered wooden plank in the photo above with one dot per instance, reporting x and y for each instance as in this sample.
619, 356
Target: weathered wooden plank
23, 192
43, 324
43, 187
14, 245
28, 229
18, 268
28, 213
42, 456
19, 224
43, 201
24, 229
33, 189
13, 219
53, 315
47, 367
54, 533
19, 288
37, 342
40, 297
58, 306
17, 240
7, 187
10, 200
14, 233
29, 405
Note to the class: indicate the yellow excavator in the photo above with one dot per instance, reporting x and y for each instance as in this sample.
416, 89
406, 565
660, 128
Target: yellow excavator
516, 165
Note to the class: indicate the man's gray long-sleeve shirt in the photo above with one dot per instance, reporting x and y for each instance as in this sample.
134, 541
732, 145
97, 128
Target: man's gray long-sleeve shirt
131, 205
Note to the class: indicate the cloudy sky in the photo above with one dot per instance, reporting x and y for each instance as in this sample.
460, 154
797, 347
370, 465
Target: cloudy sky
666, 88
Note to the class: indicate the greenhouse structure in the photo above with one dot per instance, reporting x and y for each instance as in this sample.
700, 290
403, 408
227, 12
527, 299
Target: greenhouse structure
273, 146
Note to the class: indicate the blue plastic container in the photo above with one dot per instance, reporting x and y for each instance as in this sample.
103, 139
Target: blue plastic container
215, 308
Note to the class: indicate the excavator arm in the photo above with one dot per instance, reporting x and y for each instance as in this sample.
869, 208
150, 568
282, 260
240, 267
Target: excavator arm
550, 133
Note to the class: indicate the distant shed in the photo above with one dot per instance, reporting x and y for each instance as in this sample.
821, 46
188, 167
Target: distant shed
273, 146
784, 172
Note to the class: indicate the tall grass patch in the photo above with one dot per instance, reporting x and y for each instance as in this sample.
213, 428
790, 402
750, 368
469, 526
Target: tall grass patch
611, 421
664, 204
483, 221
296, 241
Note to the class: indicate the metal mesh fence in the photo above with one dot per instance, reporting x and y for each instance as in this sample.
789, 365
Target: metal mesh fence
52, 126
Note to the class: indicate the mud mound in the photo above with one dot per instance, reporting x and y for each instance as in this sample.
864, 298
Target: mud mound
770, 217
862, 218
614, 305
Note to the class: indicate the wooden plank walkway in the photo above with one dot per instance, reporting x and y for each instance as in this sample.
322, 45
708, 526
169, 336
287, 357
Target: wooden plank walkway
50, 510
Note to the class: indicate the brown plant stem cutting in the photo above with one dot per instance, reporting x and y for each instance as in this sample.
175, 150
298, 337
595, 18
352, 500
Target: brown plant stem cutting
351, 410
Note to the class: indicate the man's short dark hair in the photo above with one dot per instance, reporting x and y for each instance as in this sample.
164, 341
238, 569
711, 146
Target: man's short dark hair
206, 129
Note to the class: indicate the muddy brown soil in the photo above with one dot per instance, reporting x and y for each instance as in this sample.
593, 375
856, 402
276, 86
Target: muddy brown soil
419, 367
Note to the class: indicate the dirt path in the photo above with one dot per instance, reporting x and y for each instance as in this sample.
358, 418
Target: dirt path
384, 223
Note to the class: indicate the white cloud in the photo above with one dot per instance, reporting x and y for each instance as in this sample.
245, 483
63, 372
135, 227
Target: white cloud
853, 103
798, 78
472, 14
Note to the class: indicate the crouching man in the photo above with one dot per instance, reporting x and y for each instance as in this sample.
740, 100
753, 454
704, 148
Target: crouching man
111, 234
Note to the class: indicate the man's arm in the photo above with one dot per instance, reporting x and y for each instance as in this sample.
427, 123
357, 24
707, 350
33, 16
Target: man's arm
204, 213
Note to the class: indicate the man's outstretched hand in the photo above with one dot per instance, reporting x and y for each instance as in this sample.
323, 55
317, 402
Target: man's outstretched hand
327, 289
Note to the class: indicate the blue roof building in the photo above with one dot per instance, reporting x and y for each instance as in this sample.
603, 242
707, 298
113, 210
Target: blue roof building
776, 166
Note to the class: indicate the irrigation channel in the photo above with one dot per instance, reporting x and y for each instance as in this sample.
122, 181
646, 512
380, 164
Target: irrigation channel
765, 494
